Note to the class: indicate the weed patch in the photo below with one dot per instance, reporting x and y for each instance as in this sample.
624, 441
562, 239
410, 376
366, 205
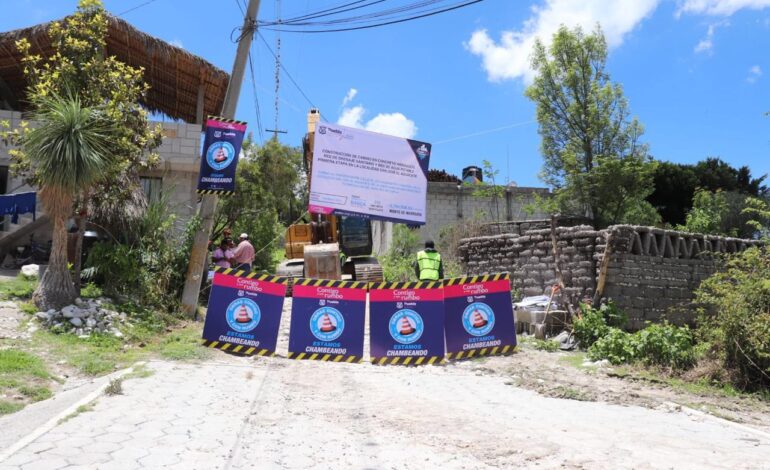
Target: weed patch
183, 345
20, 287
115, 387
8, 407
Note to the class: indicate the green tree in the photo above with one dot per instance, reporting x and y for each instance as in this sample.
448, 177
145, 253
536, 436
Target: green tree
710, 213
79, 66
676, 185
489, 189
590, 143
69, 149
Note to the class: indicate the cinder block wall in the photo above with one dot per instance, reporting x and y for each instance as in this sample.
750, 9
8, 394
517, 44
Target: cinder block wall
449, 204
651, 273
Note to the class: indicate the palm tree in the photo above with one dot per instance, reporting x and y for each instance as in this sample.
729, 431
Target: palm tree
68, 151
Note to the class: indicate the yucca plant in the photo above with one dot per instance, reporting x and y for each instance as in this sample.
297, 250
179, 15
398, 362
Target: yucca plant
69, 151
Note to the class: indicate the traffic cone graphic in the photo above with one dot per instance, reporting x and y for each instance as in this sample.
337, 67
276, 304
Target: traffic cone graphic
221, 156
243, 315
478, 320
326, 324
406, 327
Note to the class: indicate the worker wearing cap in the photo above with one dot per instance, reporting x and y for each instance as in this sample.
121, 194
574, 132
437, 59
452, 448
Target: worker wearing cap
244, 254
428, 266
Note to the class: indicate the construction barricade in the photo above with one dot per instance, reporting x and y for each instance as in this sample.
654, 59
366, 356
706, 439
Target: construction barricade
406, 322
327, 320
479, 316
244, 312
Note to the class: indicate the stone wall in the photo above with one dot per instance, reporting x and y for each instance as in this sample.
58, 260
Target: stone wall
650, 273
530, 260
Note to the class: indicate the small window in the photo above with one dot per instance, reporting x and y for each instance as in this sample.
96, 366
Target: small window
152, 188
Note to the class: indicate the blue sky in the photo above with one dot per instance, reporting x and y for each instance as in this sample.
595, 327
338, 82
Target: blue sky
695, 72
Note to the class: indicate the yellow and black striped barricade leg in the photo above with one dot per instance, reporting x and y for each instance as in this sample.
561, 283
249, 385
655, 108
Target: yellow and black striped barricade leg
408, 360
325, 357
238, 349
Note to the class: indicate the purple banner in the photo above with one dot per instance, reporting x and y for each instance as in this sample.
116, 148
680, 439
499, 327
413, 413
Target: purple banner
406, 323
327, 320
244, 313
219, 160
479, 316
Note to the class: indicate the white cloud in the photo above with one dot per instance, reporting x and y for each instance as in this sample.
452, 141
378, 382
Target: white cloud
754, 73
386, 123
510, 57
352, 117
394, 124
177, 43
720, 7
349, 96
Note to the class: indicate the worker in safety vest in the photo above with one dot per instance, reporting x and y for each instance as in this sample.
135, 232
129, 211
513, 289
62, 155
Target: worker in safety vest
428, 266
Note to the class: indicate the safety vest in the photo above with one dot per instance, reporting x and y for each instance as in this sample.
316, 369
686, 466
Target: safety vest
428, 263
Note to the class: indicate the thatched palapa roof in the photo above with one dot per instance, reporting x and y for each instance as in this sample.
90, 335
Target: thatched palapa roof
174, 75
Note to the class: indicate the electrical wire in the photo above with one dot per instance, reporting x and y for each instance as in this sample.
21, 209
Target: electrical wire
256, 99
413, 11
285, 71
136, 7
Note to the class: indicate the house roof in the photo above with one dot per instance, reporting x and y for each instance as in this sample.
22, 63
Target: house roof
173, 74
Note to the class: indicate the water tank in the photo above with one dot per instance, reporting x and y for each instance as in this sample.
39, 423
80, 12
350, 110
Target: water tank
472, 174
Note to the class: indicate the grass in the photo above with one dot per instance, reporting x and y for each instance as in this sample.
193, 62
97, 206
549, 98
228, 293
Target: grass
20, 287
139, 372
569, 393
28, 308
95, 355
23, 375
115, 387
79, 410
545, 345
183, 345
8, 407
574, 359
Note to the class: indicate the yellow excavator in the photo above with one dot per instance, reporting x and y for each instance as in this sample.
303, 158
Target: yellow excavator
314, 249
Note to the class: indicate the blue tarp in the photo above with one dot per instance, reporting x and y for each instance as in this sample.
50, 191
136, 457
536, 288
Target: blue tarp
15, 204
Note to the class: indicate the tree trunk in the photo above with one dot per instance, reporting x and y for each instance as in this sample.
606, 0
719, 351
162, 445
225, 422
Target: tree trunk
55, 289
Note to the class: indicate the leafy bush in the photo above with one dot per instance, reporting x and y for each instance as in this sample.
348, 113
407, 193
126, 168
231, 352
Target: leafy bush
735, 317
590, 326
397, 263
616, 346
149, 270
666, 345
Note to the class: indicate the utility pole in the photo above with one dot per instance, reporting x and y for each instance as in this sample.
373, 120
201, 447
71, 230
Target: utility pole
195, 270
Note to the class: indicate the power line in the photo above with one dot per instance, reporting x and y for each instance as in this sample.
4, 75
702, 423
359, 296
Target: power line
285, 71
424, 13
256, 99
136, 7
487, 131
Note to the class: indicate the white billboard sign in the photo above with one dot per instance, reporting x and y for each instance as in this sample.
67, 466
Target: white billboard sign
370, 175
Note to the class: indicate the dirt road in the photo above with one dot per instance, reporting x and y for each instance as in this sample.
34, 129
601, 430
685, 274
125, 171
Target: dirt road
234, 413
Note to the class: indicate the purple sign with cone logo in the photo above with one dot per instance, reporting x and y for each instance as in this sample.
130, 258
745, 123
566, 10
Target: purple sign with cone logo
406, 323
479, 316
327, 320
